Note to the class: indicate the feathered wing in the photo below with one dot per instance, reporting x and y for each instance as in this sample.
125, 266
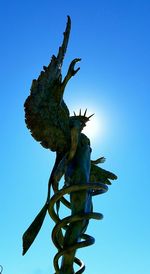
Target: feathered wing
99, 174
46, 114
47, 117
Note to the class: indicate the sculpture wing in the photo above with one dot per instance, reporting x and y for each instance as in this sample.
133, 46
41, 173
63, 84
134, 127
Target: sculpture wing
46, 114
98, 174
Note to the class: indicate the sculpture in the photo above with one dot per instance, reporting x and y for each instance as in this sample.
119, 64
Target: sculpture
50, 123
1, 269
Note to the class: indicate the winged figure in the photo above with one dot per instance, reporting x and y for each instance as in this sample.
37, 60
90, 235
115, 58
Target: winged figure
49, 121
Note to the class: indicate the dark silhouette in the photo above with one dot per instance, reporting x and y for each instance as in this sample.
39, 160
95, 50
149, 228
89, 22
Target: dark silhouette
50, 123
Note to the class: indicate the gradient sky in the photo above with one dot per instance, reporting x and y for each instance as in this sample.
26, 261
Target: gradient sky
113, 40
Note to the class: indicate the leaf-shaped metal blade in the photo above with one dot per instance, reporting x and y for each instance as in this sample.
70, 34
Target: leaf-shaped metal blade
32, 231
1, 269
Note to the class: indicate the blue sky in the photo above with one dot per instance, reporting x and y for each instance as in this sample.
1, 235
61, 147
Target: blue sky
113, 40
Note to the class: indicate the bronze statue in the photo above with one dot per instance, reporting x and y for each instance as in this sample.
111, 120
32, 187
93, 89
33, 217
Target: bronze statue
50, 123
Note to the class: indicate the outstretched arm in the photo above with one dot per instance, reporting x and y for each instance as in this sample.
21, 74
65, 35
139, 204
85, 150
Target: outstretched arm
71, 72
98, 161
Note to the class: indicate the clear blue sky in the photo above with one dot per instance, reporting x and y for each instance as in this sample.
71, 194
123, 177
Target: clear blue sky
113, 40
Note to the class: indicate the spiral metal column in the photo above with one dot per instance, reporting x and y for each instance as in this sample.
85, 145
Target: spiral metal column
63, 224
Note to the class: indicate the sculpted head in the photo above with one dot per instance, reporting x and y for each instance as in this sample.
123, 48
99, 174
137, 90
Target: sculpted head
79, 120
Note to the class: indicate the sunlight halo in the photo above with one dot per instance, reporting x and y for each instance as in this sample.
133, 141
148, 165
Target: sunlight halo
96, 127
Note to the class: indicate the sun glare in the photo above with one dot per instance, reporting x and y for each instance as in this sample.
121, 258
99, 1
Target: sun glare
95, 128
92, 128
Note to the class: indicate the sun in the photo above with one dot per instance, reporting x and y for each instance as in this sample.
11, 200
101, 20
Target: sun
91, 128
95, 127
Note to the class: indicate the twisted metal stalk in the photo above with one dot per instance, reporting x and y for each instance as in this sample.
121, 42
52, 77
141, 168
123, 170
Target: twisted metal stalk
63, 224
1, 269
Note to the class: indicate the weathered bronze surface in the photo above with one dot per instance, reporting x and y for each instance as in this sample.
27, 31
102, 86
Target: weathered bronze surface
50, 123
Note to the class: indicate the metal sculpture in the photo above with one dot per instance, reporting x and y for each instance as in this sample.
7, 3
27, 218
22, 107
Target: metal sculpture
1, 269
50, 123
